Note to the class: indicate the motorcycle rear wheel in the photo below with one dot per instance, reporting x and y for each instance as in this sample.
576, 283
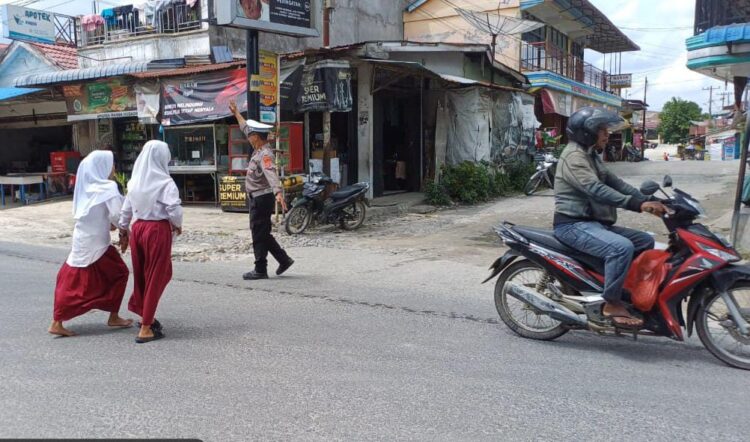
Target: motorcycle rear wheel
519, 316
353, 216
297, 220
716, 330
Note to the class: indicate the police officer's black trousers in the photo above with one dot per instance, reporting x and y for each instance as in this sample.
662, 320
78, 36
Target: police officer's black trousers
261, 211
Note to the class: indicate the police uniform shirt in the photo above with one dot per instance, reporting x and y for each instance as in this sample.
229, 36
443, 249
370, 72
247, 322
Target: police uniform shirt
261, 172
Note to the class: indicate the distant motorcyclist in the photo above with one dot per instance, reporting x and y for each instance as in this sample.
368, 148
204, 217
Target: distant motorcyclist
587, 196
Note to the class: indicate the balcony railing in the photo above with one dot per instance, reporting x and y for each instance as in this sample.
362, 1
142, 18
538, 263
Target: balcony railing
711, 13
544, 57
130, 23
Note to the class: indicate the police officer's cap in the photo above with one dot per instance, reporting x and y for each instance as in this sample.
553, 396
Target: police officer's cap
257, 127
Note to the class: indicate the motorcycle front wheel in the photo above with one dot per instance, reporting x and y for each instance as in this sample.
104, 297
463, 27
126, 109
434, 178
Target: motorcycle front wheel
533, 184
297, 220
353, 216
717, 329
520, 317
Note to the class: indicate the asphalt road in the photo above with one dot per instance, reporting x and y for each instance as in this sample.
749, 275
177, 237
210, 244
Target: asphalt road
352, 345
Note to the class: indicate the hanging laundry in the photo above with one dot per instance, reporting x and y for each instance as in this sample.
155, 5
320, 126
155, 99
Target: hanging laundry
109, 16
91, 22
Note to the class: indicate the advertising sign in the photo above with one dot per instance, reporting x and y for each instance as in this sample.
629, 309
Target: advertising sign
267, 84
204, 97
232, 196
620, 81
290, 17
100, 99
325, 87
27, 24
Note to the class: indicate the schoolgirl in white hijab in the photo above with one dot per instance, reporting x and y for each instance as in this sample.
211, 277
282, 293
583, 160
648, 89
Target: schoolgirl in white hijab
94, 276
154, 202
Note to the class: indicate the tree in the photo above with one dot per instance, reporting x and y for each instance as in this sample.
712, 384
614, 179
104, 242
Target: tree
675, 117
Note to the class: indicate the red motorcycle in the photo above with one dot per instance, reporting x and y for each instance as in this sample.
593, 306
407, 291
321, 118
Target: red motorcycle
546, 289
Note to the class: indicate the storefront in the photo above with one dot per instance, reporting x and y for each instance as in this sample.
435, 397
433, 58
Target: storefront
559, 97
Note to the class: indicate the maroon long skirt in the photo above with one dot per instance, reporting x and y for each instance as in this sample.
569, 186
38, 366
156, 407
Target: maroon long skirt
99, 286
151, 251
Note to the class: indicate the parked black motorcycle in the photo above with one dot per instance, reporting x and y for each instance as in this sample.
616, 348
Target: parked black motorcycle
344, 207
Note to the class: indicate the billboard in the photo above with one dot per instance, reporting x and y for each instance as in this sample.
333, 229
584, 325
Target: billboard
289, 17
27, 24
100, 99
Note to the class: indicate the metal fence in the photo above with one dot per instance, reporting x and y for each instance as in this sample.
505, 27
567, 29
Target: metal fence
545, 57
133, 23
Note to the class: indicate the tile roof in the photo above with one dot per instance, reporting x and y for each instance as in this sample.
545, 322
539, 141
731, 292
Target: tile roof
64, 57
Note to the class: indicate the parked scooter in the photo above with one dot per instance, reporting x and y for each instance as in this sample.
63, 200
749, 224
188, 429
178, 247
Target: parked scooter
546, 289
344, 207
545, 173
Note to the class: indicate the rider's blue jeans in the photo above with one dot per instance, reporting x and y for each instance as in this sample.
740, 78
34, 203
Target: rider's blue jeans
615, 245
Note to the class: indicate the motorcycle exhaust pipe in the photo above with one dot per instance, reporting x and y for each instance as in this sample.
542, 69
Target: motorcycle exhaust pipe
545, 305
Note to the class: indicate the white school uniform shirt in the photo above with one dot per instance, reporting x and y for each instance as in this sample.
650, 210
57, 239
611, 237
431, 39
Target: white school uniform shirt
91, 237
96, 206
152, 193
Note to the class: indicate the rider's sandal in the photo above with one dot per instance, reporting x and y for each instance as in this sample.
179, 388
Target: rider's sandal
623, 326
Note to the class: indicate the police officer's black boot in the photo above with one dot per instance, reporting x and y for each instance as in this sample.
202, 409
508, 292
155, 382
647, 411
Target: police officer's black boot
254, 275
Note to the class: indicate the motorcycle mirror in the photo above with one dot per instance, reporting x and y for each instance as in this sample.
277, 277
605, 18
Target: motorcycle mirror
649, 187
667, 181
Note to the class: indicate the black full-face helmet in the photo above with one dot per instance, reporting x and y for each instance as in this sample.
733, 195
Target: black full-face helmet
584, 124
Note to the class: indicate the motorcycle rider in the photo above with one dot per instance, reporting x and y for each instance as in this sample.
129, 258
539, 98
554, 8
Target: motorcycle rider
587, 196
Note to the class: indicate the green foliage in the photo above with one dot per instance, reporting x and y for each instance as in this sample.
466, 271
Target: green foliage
675, 118
472, 183
122, 180
436, 195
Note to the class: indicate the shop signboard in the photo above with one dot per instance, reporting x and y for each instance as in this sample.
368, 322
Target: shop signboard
232, 196
201, 98
100, 99
26, 24
325, 86
620, 81
289, 17
267, 84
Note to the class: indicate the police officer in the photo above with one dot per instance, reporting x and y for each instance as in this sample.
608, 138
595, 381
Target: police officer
261, 184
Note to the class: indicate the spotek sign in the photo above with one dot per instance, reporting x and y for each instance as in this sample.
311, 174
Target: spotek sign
27, 24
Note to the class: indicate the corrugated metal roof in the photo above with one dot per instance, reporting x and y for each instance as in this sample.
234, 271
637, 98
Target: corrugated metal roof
187, 70
6, 93
72, 75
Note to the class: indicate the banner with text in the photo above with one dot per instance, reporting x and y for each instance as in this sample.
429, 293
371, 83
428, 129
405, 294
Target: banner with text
205, 97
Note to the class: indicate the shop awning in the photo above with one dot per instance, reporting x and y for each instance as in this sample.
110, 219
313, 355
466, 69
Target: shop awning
413, 67
73, 75
7, 93
560, 103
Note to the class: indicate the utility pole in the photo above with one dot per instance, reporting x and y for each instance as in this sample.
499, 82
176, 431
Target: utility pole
643, 135
710, 103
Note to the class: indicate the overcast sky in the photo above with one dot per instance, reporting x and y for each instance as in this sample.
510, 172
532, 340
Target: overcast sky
659, 27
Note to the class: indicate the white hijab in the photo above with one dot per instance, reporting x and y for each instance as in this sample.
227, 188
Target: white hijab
151, 179
93, 185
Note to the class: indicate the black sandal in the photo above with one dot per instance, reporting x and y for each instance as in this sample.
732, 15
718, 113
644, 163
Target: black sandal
156, 325
157, 335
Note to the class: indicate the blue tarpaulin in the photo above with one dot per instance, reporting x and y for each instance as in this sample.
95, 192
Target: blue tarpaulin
6, 93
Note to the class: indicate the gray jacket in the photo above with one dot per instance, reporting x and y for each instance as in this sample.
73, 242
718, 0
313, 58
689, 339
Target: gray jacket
585, 190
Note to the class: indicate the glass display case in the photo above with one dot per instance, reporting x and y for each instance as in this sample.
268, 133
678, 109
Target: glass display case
197, 149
